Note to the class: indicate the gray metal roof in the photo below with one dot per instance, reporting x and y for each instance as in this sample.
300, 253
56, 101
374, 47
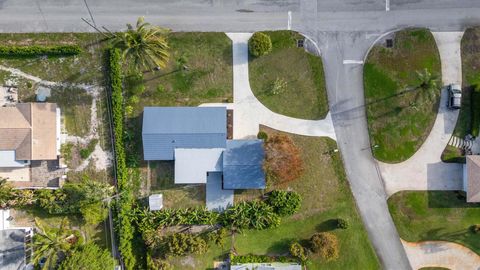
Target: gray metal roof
243, 165
12, 249
217, 199
192, 165
167, 128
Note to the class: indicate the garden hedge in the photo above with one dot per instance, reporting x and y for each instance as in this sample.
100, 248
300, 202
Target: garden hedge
475, 110
34, 50
124, 205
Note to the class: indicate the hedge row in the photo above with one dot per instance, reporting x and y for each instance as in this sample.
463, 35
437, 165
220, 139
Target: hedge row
252, 258
34, 50
124, 206
475, 111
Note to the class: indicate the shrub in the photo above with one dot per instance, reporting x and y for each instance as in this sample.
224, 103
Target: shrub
284, 203
262, 135
283, 161
326, 244
298, 251
87, 151
219, 236
34, 50
475, 228
180, 244
342, 223
259, 44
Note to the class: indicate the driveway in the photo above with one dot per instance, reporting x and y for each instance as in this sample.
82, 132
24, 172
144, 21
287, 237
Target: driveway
425, 170
249, 113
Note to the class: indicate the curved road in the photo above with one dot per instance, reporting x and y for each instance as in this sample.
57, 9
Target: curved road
343, 29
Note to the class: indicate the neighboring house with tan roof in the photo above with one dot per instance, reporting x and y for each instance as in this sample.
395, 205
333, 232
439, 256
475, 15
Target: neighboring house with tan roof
28, 132
471, 178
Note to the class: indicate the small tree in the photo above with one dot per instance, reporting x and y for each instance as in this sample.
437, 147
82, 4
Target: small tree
326, 244
259, 44
342, 223
298, 251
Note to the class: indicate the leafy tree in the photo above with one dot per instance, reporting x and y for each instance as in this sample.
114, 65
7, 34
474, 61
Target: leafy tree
284, 203
260, 44
250, 215
145, 45
10, 197
88, 257
53, 243
326, 244
298, 251
180, 244
94, 213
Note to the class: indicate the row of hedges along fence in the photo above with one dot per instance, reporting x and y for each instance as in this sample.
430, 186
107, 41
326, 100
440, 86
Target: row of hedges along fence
34, 50
123, 222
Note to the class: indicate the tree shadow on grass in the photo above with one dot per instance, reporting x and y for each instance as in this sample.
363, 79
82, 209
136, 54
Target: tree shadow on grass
328, 225
449, 199
281, 246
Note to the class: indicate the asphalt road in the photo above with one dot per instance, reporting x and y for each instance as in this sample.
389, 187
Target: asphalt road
343, 29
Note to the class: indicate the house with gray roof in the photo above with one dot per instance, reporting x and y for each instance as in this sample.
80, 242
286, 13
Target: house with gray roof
195, 138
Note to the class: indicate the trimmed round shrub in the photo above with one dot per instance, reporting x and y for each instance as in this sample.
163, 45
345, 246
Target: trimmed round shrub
262, 135
325, 244
297, 251
259, 44
284, 203
475, 228
342, 223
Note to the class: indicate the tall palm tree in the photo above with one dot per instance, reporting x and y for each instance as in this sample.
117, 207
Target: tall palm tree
428, 82
52, 244
145, 44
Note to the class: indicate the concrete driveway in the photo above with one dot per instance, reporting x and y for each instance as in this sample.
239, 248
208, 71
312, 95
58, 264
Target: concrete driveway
249, 113
425, 170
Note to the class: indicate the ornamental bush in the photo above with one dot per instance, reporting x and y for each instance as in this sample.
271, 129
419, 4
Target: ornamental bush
298, 251
326, 244
259, 44
250, 215
180, 244
34, 50
262, 135
342, 223
284, 203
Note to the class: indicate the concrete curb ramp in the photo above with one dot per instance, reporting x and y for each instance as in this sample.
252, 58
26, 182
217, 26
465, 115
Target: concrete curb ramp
441, 254
249, 113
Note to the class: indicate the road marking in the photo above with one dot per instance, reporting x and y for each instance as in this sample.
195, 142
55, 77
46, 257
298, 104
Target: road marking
289, 25
352, 62
387, 5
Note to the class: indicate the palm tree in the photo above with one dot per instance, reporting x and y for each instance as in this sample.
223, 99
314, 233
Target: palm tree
52, 244
145, 44
428, 81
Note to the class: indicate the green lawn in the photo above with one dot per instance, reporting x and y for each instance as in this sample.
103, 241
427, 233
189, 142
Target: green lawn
400, 116
435, 215
304, 94
326, 196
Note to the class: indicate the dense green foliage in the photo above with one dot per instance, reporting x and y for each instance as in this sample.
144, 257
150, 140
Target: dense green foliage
123, 222
250, 215
10, 197
284, 203
180, 244
342, 223
88, 150
52, 244
259, 44
88, 257
30, 51
262, 135
252, 258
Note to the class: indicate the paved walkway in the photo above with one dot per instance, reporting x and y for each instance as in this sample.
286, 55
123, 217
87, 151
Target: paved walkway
249, 113
441, 254
425, 170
